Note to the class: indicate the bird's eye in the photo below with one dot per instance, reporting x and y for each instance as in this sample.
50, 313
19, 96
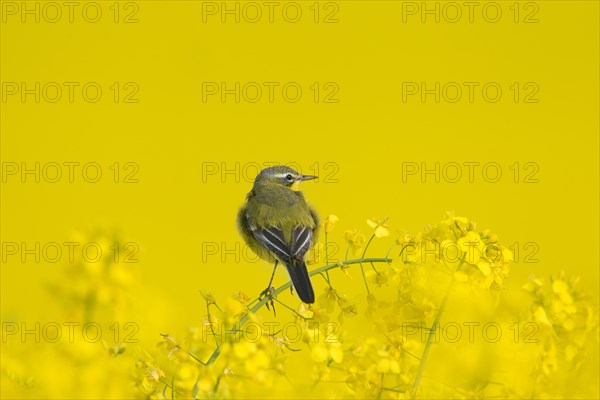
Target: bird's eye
289, 177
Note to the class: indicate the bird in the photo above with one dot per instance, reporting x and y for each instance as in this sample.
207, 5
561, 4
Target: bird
279, 226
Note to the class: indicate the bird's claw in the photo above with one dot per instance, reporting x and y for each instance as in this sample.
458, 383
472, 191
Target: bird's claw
268, 293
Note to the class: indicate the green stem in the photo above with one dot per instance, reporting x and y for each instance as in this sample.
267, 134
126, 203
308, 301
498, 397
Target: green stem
330, 286
362, 270
387, 255
326, 279
285, 286
368, 243
431, 336
212, 330
327, 258
290, 308
365, 252
326, 276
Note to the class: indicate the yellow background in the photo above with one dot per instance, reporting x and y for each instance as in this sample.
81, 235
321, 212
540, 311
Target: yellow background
368, 134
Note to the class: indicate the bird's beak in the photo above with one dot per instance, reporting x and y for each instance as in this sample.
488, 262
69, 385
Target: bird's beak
307, 177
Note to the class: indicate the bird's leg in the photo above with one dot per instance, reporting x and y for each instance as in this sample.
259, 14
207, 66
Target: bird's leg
268, 292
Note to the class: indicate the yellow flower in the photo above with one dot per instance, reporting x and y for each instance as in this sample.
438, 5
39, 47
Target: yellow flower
484, 267
451, 219
208, 297
533, 284
461, 276
403, 237
487, 281
327, 299
116, 350
170, 344
244, 349
344, 268
507, 255
541, 317
386, 364
349, 308
571, 352
258, 361
233, 307
356, 240
380, 226
304, 311
322, 352
561, 288
242, 297
148, 382
187, 374
329, 223
472, 247
319, 353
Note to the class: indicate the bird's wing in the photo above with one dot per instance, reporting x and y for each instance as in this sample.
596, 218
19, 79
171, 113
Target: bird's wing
274, 239
301, 239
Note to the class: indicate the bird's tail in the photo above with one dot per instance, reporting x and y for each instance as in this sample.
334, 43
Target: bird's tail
301, 280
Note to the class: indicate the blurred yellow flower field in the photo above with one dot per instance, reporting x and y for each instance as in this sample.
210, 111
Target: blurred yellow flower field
431, 318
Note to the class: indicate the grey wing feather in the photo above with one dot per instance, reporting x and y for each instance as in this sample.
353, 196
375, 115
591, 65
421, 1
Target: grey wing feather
273, 239
301, 240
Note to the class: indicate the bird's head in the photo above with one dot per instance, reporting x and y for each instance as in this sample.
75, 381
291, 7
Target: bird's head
281, 175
